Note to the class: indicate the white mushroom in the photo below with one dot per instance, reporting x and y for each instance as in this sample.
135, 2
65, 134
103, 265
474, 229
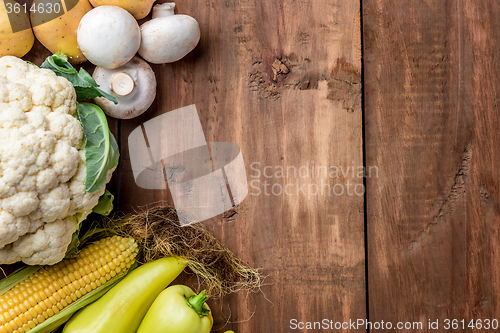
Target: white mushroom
133, 85
108, 36
168, 37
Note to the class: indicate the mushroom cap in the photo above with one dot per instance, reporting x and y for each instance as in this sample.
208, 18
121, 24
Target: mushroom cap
109, 36
168, 39
136, 102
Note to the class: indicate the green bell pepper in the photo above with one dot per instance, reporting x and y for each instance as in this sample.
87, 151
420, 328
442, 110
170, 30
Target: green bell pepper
178, 310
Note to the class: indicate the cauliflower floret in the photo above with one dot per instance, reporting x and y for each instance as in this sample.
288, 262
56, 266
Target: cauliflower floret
45, 245
42, 164
21, 203
4, 91
82, 200
19, 97
12, 227
37, 120
46, 180
54, 204
5, 189
13, 118
64, 161
66, 128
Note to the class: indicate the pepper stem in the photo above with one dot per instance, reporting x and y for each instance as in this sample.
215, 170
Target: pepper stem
197, 303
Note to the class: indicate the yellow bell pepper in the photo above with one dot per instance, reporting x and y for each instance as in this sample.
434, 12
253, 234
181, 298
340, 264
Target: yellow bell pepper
178, 310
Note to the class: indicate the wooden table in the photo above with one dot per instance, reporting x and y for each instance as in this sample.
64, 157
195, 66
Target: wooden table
288, 82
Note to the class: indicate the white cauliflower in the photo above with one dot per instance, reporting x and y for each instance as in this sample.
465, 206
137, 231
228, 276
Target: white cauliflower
42, 164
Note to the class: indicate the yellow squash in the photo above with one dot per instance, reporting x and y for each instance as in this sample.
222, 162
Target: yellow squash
57, 30
122, 309
16, 36
139, 8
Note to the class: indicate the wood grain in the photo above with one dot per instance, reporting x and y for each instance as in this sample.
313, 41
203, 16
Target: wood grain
432, 120
282, 80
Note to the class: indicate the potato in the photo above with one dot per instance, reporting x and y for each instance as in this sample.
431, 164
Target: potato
16, 36
139, 8
57, 31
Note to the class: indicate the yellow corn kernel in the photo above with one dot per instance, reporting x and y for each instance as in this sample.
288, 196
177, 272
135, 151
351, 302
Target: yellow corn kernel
48, 291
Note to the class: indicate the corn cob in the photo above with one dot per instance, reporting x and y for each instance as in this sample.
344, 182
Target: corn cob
52, 289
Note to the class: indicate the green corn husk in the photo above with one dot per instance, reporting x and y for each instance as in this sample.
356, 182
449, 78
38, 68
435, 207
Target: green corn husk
16, 277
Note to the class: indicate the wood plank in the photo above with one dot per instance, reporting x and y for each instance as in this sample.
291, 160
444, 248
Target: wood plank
432, 120
305, 110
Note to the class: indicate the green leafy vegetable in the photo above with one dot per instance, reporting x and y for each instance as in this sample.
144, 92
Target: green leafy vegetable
101, 149
85, 85
104, 207
105, 204
72, 250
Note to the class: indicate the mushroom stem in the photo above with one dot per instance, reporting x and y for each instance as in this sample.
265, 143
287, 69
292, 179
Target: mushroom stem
163, 10
122, 84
